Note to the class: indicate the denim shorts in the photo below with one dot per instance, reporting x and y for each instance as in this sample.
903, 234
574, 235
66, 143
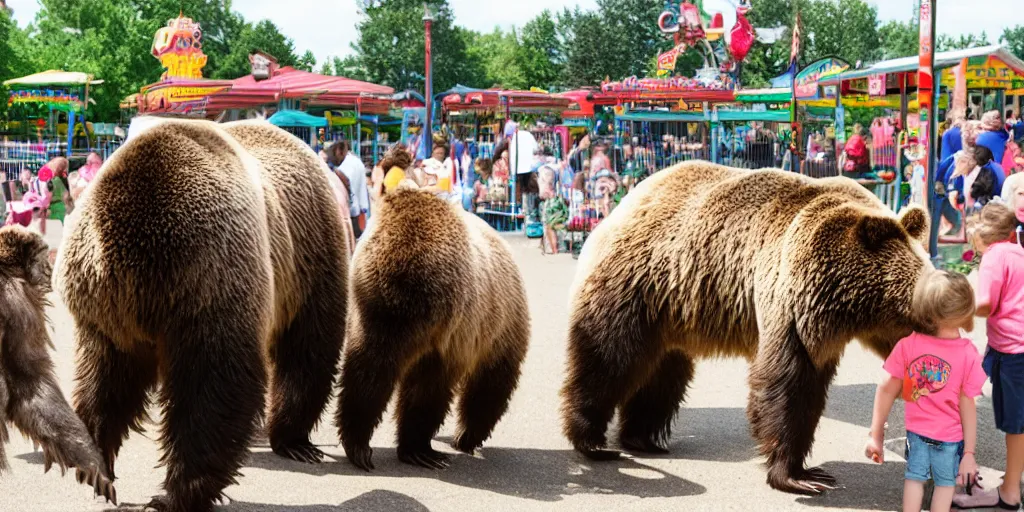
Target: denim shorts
1006, 371
931, 459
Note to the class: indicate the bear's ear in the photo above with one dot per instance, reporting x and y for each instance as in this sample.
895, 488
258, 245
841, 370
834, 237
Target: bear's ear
875, 230
915, 221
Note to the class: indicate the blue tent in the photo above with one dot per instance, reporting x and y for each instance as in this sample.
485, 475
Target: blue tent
296, 119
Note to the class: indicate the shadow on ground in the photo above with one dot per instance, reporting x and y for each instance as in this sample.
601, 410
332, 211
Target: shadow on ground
864, 486
542, 475
711, 434
373, 500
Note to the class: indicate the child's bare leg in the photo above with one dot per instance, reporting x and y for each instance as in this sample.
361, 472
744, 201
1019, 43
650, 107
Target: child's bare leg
942, 499
42, 221
913, 495
1010, 490
551, 239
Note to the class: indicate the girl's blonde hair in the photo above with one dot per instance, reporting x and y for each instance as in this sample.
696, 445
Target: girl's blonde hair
996, 224
943, 299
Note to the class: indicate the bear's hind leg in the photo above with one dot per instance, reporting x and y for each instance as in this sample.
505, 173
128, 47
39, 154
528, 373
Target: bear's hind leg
423, 401
372, 366
787, 399
645, 421
112, 391
212, 392
488, 390
606, 360
305, 360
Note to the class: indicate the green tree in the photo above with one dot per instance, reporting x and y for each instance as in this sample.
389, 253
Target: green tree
497, 56
899, 39
349, 67
589, 48
961, 42
540, 51
391, 41
1014, 38
847, 29
307, 62
264, 37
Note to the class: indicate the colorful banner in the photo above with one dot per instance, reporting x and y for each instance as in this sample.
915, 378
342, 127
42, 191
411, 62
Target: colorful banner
876, 85
56, 99
806, 81
667, 60
673, 84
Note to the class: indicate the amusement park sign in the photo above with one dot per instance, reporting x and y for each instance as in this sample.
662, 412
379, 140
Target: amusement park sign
673, 84
806, 81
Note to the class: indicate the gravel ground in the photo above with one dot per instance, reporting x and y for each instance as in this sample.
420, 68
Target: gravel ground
527, 465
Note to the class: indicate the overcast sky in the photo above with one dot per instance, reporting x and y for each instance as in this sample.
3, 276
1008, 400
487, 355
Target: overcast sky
327, 27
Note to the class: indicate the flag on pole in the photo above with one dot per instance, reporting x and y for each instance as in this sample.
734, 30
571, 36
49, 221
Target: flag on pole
794, 52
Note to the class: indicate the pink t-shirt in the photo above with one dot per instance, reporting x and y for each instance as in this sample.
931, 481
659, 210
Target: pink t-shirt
1001, 284
935, 372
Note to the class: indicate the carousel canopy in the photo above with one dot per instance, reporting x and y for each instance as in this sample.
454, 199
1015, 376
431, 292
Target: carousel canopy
53, 78
296, 119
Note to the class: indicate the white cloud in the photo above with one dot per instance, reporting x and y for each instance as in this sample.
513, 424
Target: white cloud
328, 28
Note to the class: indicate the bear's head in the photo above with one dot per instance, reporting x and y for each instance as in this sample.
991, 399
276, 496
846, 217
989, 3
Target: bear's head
853, 269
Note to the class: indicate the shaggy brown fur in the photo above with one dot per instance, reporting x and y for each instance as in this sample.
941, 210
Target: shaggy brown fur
206, 257
704, 261
29, 395
438, 304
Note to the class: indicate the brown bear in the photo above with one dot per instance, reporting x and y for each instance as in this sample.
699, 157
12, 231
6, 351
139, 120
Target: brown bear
30, 397
438, 304
206, 258
702, 261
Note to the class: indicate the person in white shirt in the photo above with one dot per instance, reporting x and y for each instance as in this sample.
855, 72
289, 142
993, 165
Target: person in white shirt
343, 159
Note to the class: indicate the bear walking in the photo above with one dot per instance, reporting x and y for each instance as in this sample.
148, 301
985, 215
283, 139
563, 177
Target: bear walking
206, 258
438, 305
705, 261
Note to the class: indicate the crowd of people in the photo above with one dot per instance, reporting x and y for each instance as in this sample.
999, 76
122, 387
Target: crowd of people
48, 194
977, 157
940, 373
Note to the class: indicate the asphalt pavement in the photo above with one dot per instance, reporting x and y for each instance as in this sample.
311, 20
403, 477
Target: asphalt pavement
527, 465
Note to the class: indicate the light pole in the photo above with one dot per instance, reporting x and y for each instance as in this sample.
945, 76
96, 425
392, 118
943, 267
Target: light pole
428, 136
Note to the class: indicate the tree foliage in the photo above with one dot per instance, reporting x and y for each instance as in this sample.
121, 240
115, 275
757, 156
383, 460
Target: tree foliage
1014, 38
112, 39
391, 41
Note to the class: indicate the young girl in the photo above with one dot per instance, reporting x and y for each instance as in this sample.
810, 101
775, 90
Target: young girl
481, 198
1000, 297
939, 373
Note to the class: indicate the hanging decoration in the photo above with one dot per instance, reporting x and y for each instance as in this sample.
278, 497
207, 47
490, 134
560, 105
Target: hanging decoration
692, 27
53, 99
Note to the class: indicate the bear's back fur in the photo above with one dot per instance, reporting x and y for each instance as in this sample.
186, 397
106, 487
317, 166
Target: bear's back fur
441, 270
184, 215
695, 248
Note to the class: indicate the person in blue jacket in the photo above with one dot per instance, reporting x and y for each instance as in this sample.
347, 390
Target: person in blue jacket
994, 135
955, 186
952, 139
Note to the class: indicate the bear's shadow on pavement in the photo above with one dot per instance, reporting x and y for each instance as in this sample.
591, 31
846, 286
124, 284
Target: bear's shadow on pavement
373, 500
541, 475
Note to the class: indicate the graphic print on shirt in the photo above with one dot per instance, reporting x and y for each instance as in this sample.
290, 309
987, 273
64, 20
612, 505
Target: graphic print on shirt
925, 376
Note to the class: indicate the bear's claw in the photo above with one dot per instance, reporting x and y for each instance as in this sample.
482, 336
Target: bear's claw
643, 445
301, 452
428, 458
810, 481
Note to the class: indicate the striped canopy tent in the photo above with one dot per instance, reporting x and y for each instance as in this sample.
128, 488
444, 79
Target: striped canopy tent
311, 90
